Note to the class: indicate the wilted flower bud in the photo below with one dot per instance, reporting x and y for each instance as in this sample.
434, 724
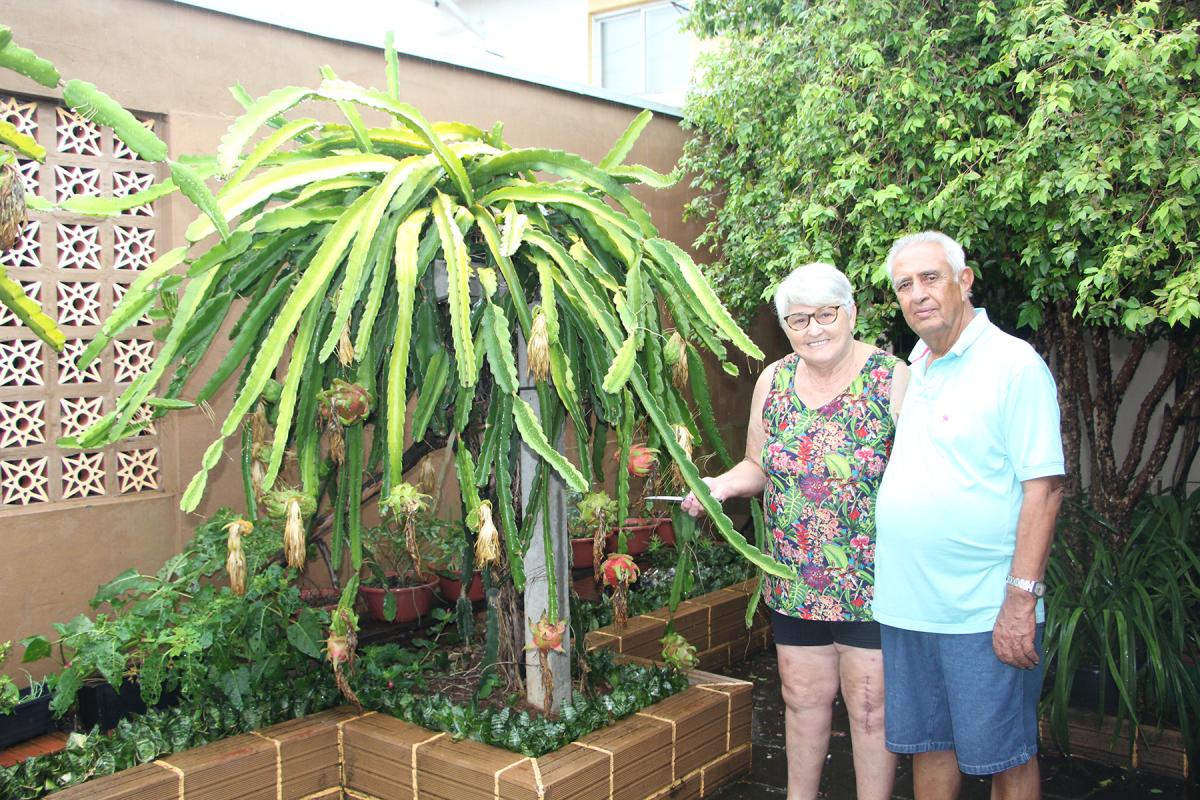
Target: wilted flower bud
345, 348
487, 539
539, 348
235, 561
675, 354
683, 436
427, 475
12, 205
293, 507
295, 547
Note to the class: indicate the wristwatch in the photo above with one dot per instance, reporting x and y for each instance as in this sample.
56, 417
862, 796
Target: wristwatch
1035, 588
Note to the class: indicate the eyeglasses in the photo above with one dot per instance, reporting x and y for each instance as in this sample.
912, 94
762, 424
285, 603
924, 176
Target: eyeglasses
800, 320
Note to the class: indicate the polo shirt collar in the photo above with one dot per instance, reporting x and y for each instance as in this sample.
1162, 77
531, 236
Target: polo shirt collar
968, 337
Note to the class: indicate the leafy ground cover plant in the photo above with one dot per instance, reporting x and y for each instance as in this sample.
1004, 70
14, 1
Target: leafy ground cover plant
242, 662
1133, 613
180, 630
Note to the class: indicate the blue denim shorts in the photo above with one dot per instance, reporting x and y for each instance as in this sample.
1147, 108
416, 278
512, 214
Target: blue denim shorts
949, 691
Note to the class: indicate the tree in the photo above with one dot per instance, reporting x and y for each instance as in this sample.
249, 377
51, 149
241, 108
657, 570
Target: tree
1057, 140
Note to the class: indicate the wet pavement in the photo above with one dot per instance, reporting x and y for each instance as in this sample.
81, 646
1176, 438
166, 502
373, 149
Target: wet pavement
1062, 779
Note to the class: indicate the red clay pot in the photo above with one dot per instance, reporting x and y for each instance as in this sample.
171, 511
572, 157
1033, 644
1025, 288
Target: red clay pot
638, 533
451, 588
581, 551
412, 602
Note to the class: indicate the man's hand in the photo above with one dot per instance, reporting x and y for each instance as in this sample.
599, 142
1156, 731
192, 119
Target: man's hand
1016, 625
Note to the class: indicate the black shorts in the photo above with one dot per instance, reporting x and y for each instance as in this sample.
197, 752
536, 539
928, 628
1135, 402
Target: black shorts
798, 632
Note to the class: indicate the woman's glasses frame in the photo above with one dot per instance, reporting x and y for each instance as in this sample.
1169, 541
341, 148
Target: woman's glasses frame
824, 316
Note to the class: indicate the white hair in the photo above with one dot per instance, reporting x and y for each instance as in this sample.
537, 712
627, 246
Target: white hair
951, 249
816, 284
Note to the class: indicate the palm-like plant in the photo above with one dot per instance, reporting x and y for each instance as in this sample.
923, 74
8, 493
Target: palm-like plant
337, 235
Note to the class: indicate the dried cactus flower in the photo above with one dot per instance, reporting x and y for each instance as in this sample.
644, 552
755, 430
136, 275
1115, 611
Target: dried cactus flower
539, 348
295, 546
12, 205
683, 436
235, 561
427, 475
347, 403
487, 539
677, 652
337, 446
345, 348
685, 440
675, 354
293, 507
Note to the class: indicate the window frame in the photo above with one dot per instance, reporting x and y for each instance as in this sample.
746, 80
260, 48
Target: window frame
598, 21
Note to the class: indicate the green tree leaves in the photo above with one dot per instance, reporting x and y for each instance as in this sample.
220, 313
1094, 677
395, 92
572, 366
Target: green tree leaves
1056, 140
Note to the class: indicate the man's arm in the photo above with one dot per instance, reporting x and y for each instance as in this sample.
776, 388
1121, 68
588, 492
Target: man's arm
1013, 634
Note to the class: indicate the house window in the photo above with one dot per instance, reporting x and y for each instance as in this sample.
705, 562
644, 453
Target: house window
643, 51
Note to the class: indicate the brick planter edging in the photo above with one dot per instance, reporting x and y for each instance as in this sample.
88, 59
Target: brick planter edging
681, 748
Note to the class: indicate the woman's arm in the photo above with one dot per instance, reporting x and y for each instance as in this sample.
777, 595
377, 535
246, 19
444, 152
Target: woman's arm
746, 478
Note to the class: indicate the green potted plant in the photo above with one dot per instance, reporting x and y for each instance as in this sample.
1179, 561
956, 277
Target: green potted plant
24, 713
395, 584
447, 545
591, 529
1124, 620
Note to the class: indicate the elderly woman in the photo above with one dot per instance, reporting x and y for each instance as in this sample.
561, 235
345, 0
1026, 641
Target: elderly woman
821, 427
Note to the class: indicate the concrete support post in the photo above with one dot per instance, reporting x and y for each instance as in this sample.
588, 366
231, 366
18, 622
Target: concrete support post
537, 597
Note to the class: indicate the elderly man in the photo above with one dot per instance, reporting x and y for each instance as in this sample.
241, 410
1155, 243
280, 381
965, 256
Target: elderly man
965, 517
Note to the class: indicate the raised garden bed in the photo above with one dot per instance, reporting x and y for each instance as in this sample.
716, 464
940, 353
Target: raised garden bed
1158, 751
683, 747
714, 623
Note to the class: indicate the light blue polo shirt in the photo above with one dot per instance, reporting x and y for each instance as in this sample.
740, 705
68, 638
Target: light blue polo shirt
974, 424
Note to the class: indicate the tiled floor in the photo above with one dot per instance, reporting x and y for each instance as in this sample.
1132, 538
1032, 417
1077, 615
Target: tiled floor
1062, 779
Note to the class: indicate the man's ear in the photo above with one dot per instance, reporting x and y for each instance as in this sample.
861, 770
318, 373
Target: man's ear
966, 278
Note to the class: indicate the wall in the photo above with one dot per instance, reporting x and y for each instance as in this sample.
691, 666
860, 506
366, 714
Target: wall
177, 61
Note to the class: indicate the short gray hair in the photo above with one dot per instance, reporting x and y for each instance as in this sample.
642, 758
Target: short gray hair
816, 284
950, 248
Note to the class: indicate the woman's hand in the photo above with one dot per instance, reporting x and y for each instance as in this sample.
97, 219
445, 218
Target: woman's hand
691, 506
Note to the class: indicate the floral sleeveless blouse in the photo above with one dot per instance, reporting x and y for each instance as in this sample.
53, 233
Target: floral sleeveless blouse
824, 466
